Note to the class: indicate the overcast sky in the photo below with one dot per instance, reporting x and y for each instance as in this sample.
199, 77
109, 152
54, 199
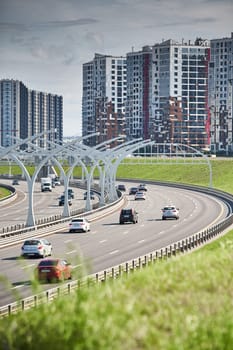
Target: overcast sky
44, 43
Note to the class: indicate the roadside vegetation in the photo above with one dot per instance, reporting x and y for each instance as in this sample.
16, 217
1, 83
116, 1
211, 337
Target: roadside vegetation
183, 303
4, 192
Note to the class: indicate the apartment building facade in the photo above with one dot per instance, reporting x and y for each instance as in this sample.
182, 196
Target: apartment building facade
180, 93
25, 113
220, 95
103, 99
139, 94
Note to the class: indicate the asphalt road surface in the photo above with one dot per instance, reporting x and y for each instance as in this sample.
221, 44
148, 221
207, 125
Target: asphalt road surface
109, 243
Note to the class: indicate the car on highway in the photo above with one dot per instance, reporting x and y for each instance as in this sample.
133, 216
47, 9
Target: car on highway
56, 181
62, 200
121, 188
140, 195
92, 195
79, 224
39, 247
15, 182
128, 215
170, 212
70, 193
142, 187
53, 270
133, 190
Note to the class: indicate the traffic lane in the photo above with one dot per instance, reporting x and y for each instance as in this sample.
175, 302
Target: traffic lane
107, 229
45, 204
109, 243
150, 234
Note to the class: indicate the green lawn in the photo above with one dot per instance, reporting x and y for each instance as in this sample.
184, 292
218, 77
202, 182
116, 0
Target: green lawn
4, 192
184, 303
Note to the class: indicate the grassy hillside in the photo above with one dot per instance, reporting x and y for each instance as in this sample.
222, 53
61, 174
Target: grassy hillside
184, 303
222, 173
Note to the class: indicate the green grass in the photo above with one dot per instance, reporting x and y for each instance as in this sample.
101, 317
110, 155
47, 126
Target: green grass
184, 303
4, 192
222, 173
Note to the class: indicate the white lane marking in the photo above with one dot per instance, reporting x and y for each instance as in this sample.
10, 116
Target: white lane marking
142, 240
103, 240
142, 225
26, 267
114, 252
72, 251
68, 240
19, 286
160, 233
125, 232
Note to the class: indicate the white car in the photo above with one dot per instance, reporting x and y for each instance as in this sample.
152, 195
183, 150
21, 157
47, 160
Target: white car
36, 247
170, 212
140, 195
79, 224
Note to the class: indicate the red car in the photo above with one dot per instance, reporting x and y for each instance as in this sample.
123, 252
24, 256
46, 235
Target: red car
53, 270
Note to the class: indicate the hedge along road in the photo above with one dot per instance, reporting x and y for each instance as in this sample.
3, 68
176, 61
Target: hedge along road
109, 244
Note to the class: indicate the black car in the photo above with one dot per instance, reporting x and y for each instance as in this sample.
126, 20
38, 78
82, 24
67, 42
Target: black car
92, 195
128, 215
142, 187
133, 190
15, 182
62, 200
70, 193
121, 188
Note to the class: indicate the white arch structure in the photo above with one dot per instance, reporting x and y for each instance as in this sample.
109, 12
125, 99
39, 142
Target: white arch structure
105, 159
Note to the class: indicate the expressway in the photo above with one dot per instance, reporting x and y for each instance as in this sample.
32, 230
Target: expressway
109, 244
45, 203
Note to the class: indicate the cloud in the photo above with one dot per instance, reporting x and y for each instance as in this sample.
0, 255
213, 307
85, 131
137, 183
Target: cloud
6, 26
184, 22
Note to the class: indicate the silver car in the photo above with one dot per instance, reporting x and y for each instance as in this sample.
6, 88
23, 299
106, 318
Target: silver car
170, 212
36, 247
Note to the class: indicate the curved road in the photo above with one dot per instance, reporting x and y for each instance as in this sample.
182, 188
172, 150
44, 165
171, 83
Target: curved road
45, 204
109, 244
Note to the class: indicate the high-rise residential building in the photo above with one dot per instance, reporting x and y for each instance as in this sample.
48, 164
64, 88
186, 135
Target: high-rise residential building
220, 95
103, 100
26, 113
13, 104
139, 94
180, 93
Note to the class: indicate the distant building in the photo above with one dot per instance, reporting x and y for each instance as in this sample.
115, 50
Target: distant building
139, 94
221, 95
103, 99
170, 92
25, 113
180, 93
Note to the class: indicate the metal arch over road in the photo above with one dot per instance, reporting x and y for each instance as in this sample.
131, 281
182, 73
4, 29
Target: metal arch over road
105, 159
170, 154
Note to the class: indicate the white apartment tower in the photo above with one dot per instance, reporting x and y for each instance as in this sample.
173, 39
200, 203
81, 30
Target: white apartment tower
103, 99
220, 95
139, 89
180, 93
